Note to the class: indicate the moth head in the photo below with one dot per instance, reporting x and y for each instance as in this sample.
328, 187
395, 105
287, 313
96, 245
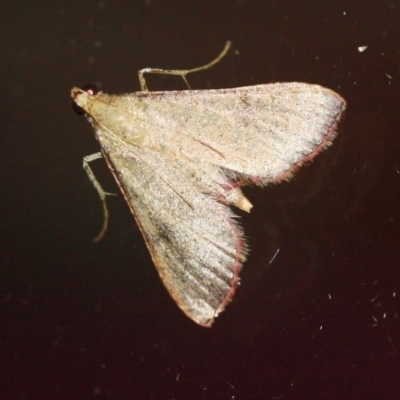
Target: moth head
80, 97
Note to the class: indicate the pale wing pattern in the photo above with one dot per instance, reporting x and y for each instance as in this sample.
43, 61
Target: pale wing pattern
194, 241
173, 153
262, 131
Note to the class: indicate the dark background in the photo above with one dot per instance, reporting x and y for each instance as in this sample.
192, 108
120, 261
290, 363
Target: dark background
83, 321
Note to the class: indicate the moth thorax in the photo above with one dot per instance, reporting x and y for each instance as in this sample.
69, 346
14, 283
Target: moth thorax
118, 122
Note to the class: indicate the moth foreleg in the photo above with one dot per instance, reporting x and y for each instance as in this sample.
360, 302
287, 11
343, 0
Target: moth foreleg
100, 191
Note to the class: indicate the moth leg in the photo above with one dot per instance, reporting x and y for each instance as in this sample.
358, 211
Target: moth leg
100, 191
182, 72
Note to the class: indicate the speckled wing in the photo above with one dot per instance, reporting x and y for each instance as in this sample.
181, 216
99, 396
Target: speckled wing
262, 132
196, 245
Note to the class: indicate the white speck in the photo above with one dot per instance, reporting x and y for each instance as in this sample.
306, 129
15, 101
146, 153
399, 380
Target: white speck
362, 48
273, 257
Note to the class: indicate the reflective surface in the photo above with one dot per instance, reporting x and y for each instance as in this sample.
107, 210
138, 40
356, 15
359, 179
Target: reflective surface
317, 312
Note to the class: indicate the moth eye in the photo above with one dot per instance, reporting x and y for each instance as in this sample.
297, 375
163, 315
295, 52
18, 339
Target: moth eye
92, 90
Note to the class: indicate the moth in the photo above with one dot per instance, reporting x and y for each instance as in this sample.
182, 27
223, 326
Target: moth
180, 159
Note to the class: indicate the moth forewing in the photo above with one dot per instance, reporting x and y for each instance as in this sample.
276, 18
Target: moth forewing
253, 131
194, 241
180, 158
